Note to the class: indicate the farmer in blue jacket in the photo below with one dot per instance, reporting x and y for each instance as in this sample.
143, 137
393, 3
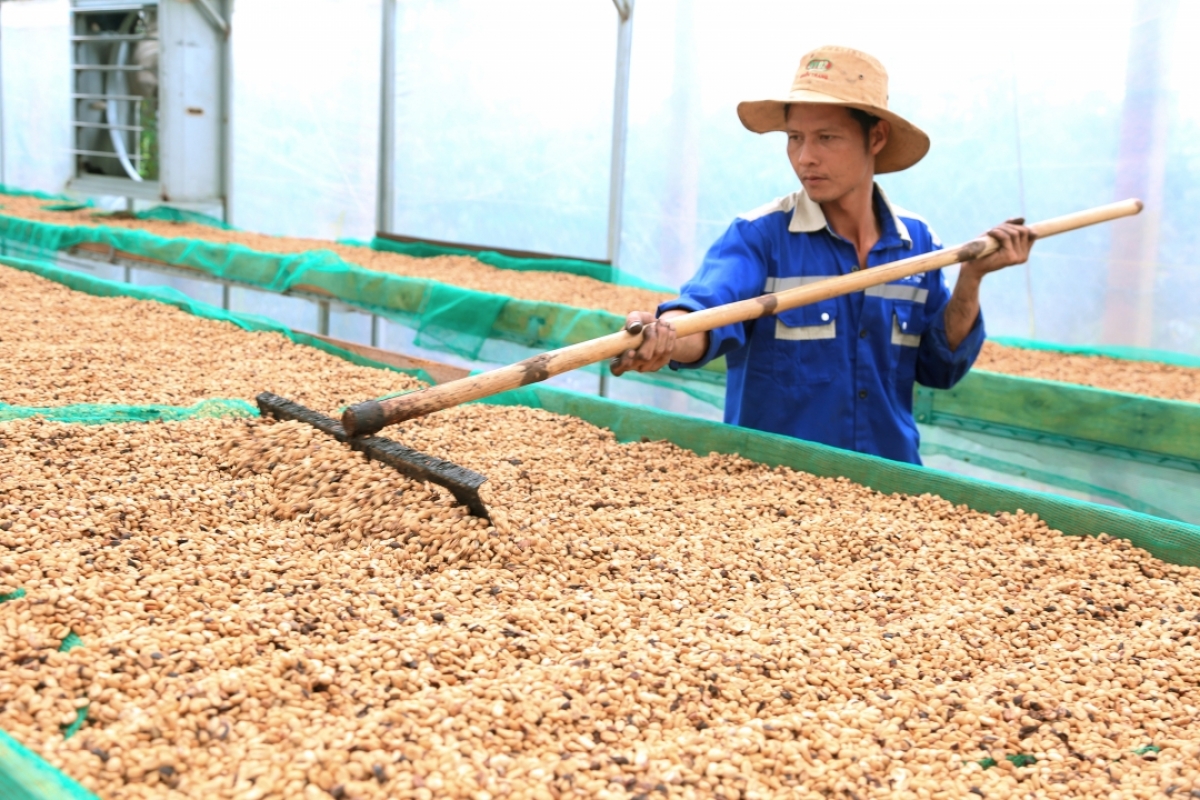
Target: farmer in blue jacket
841, 371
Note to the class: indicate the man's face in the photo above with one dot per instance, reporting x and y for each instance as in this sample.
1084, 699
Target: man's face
828, 150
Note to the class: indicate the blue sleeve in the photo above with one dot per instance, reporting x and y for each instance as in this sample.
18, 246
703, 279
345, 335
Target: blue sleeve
939, 367
735, 268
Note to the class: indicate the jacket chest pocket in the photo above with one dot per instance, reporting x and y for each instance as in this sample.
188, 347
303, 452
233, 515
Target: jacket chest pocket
810, 333
908, 324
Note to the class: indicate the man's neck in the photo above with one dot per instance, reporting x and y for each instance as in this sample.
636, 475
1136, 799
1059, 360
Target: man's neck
852, 216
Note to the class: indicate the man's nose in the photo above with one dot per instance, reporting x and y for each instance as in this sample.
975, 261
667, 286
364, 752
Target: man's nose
807, 154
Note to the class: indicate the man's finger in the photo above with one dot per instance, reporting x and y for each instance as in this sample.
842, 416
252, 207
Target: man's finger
649, 340
663, 345
636, 321
1015, 221
622, 363
1001, 234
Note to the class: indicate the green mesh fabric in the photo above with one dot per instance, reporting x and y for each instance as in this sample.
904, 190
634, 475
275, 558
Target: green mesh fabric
588, 269
1141, 427
1172, 541
24, 775
69, 205
14, 595
446, 317
105, 414
1142, 453
170, 214
1093, 429
172, 297
80, 721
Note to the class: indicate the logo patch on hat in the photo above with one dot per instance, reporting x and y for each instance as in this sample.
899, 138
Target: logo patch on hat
818, 65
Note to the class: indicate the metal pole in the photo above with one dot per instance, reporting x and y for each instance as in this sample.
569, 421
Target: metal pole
2, 182
226, 142
323, 317
387, 118
616, 186
374, 330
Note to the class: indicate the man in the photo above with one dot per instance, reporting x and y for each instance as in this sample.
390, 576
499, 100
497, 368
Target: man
841, 371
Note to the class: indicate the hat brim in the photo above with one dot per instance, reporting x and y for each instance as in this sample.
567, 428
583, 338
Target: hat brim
907, 144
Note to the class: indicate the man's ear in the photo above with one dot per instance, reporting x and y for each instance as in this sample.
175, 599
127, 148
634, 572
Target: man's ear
879, 136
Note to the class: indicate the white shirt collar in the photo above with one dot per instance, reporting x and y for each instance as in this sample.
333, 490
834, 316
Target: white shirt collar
807, 216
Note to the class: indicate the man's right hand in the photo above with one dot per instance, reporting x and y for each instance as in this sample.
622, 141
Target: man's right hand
657, 345
660, 345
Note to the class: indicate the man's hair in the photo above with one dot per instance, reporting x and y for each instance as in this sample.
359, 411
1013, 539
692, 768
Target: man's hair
866, 120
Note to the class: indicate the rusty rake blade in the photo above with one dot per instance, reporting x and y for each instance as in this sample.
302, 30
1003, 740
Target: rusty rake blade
461, 482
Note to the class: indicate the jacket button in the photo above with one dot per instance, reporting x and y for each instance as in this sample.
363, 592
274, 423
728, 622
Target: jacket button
862, 334
862, 394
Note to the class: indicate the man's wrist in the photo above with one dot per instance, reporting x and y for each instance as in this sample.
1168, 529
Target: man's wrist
969, 277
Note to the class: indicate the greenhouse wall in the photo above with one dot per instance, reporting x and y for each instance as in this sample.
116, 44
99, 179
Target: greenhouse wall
502, 134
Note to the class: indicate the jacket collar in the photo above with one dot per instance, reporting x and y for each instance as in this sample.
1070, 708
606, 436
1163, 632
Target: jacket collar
807, 217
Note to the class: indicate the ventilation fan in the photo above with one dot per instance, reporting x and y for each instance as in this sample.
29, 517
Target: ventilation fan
116, 93
148, 98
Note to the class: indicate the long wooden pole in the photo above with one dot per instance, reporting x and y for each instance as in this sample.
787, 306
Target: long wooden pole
369, 417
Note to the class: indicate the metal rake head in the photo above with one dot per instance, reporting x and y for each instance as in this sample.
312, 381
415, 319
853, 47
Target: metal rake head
461, 482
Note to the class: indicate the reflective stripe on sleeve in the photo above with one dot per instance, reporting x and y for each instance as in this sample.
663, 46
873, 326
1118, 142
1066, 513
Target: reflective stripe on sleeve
805, 333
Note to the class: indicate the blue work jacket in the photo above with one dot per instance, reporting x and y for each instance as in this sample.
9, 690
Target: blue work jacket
841, 371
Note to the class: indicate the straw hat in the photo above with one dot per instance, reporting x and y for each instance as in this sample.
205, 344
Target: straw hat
844, 77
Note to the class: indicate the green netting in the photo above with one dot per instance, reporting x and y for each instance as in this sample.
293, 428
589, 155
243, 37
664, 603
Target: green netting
1171, 541
589, 269
14, 595
446, 317
1141, 453
1165, 492
172, 297
104, 414
1089, 426
1112, 351
1133, 426
172, 214
69, 205
1176, 542
25, 776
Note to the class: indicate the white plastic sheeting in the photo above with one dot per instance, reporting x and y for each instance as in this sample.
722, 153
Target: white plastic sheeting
503, 122
35, 65
305, 116
503, 125
1035, 108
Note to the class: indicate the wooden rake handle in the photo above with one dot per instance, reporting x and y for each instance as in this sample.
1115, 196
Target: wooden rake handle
369, 417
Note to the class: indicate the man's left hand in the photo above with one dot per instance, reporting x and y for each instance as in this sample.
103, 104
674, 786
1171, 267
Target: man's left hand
1016, 240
